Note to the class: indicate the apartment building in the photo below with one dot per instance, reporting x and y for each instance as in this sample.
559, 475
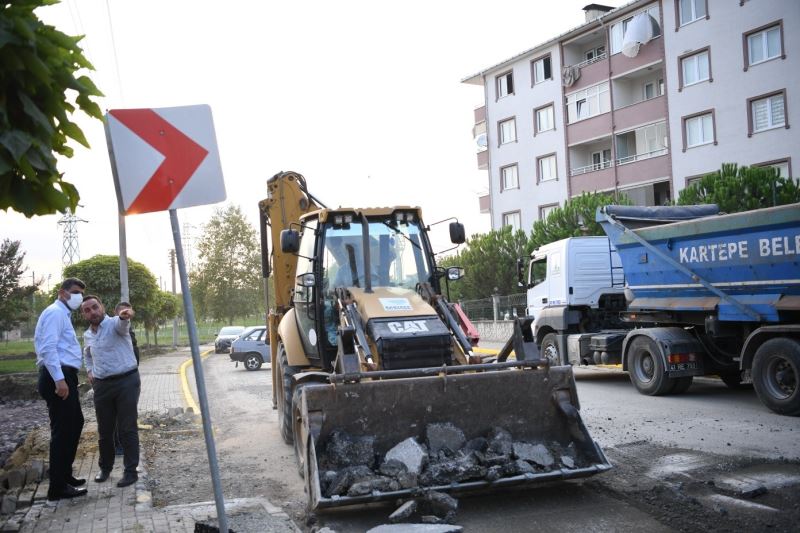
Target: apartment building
699, 83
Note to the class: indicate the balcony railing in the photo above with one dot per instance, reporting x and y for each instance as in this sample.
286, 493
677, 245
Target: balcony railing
591, 168
639, 157
592, 60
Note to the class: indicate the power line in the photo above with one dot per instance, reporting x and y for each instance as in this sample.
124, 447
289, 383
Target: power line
71, 253
114, 50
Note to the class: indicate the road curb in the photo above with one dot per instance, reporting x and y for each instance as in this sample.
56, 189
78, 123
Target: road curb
187, 391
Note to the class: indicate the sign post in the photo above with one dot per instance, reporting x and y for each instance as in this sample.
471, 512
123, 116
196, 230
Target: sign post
165, 159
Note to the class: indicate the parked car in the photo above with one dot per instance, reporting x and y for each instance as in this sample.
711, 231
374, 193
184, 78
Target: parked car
223, 339
251, 348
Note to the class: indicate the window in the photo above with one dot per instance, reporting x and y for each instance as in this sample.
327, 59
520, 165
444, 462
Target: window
545, 210
763, 44
694, 69
588, 102
698, 129
601, 160
642, 143
617, 32
508, 131
766, 112
691, 10
545, 119
509, 178
595, 53
505, 84
512, 219
542, 70
783, 166
546, 168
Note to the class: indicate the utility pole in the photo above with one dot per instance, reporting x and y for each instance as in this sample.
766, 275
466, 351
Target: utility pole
175, 318
71, 252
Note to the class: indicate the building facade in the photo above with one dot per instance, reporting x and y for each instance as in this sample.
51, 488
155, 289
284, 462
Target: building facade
640, 99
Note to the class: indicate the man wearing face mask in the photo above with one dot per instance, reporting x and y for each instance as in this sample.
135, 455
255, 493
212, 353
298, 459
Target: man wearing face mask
58, 356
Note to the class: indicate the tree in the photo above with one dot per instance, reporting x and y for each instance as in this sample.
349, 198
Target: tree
163, 306
101, 275
736, 188
227, 282
574, 219
38, 65
15, 304
490, 263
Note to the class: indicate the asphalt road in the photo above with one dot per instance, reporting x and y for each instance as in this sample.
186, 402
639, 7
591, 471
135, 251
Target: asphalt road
708, 419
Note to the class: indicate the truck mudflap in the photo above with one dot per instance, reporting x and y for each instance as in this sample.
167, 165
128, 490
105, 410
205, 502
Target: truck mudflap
538, 407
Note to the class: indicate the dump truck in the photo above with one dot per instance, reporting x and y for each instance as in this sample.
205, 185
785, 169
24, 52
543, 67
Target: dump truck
370, 361
677, 292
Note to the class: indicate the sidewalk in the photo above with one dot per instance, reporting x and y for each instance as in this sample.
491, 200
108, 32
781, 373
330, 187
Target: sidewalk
107, 508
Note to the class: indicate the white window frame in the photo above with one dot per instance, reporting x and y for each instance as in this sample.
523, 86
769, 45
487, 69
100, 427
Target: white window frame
540, 170
502, 84
551, 112
581, 104
771, 123
545, 210
694, 11
699, 119
691, 64
509, 177
511, 131
617, 31
764, 45
536, 64
513, 219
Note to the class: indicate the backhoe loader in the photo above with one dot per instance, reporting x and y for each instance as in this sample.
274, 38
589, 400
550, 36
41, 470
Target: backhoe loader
365, 345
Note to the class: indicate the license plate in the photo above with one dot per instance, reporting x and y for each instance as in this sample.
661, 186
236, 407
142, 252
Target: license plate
678, 367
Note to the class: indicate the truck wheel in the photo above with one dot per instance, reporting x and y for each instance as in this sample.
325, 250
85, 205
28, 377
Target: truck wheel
297, 424
252, 361
549, 350
681, 385
646, 367
284, 382
776, 369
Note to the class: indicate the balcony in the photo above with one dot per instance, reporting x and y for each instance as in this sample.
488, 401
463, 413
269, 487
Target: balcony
639, 157
483, 160
649, 53
592, 180
480, 114
589, 128
485, 203
592, 72
643, 169
642, 112
594, 167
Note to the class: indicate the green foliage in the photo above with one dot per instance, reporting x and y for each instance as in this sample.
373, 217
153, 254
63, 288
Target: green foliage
38, 67
564, 222
490, 261
101, 275
736, 188
13, 366
15, 304
163, 305
227, 283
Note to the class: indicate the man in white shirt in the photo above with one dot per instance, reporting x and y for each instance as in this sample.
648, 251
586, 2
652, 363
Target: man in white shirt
58, 356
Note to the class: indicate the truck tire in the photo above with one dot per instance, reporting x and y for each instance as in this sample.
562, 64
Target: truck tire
252, 361
549, 350
297, 421
284, 381
776, 370
646, 367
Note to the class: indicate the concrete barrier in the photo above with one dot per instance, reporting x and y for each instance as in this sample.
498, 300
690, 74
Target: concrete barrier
492, 331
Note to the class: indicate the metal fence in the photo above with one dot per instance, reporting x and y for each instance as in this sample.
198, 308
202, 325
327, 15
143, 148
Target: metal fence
495, 307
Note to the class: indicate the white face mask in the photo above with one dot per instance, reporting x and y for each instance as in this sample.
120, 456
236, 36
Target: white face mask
75, 301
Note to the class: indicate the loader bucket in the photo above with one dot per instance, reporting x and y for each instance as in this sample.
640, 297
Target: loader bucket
534, 405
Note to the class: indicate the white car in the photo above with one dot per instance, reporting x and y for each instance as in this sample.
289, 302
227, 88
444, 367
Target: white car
251, 348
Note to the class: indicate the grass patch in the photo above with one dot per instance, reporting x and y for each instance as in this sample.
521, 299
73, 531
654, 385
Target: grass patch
16, 347
10, 366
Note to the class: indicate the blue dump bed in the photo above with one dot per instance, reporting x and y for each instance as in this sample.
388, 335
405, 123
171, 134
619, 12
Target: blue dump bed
744, 266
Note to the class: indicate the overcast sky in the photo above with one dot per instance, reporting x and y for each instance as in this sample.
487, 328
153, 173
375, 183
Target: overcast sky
364, 98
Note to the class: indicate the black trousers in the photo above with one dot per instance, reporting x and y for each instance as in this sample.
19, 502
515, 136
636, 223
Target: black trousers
66, 424
115, 403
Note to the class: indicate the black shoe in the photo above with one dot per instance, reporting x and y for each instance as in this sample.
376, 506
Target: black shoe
67, 492
75, 482
127, 479
102, 476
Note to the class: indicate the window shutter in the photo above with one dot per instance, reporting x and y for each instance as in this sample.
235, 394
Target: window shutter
778, 118
760, 115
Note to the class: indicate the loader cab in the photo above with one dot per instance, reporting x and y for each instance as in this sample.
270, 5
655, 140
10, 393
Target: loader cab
351, 250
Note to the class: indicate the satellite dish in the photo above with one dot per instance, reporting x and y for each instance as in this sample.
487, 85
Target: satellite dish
480, 140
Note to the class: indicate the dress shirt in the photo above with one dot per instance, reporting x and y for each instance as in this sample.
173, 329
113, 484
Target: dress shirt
55, 341
109, 350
